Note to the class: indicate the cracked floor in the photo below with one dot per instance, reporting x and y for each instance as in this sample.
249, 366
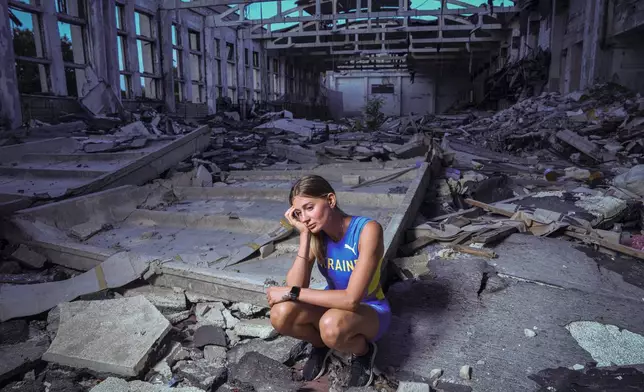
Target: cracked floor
476, 312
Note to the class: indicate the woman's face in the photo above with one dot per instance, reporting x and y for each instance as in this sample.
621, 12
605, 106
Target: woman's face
313, 212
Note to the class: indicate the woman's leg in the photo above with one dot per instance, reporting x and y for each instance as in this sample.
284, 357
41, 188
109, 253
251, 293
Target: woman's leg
298, 320
349, 332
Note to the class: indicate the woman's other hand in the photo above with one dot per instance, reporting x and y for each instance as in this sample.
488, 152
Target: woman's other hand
295, 221
276, 294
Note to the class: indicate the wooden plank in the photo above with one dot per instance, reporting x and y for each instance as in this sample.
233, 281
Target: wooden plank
575, 233
475, 252
489, 207
582, 144
494, 235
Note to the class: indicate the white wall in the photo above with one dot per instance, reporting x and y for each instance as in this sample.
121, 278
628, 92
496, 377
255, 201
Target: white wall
407, 98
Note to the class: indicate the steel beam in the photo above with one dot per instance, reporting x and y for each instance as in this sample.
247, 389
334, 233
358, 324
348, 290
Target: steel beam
371, 15
273, 45
398, 29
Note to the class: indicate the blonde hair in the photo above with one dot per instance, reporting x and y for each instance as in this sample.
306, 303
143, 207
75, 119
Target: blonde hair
316, 187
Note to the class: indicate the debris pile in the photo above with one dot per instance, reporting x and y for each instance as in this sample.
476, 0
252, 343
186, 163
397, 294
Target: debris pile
602, 124
540, 176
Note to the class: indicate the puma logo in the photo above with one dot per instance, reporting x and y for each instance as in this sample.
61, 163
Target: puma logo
346, 246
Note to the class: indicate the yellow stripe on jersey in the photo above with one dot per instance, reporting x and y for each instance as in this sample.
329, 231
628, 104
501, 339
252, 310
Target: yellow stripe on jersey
374, 285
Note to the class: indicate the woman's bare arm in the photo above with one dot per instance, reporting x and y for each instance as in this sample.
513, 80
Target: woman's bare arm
300, 272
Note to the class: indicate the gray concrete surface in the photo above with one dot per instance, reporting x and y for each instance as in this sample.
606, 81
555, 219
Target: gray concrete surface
445, 323
46, 169
201, 229
113, 336
113, 384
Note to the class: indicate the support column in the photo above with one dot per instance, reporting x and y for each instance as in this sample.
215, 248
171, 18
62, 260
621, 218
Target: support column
112, 76
185, 55
556, 46
10, 111
591, 53
210, 72
51, 37
166, 53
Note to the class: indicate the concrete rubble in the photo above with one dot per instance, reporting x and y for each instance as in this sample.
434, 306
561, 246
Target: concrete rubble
557, 168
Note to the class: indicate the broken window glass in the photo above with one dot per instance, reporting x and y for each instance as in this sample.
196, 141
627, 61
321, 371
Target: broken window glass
230, 53
145, 51
195, 67
121, 44
255, 59
125, 86
175, 35
195, 42
217, 48
32, 78
119, 12
74, 8
149, 88
176, 64
71, 42
143, 24
27, 41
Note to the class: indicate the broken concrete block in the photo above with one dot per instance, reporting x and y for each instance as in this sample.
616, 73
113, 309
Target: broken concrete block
134, 129
577, 367
233, 116
258, 328
351, 179
211, 313
179, 179
207, 335
446, 386
231, 321
267, 249
28, 257
19, 358
86, 230
406, 386
238, 166
167, 300
529, 333
202, 177
435, 374
202, 374
410, 150
113, 336
465, 372
178, 317
263, 373
14, 331
246, 310
215, 355
233, 338
113, 384
101, 100
284, 349
196, 298
24, 386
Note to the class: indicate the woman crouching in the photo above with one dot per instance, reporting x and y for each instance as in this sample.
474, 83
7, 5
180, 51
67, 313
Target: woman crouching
351, 313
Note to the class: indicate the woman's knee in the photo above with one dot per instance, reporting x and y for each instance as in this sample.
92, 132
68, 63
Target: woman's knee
332, 328
282, 317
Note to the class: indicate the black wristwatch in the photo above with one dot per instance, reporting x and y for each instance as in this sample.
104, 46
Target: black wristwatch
294, 294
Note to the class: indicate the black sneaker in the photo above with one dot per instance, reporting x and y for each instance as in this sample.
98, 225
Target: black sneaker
316, 364
362, 367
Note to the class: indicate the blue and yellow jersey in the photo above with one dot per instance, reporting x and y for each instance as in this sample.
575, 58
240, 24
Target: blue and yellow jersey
341, 259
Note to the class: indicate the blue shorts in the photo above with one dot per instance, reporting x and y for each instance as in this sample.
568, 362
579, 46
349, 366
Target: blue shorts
381, 306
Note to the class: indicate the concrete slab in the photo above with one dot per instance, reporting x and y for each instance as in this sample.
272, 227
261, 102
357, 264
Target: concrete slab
113, 336
212, 235
47, 170
113, 384
166, 300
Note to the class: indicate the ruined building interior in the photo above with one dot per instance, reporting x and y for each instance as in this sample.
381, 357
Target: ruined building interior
147, 150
